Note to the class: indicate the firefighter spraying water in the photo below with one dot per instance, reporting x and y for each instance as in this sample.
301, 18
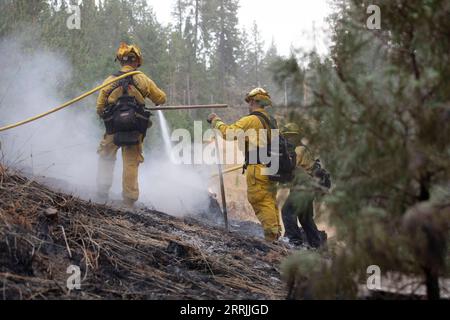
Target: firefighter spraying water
121, 104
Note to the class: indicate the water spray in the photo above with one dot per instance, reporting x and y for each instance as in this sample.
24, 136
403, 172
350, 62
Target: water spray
165, 134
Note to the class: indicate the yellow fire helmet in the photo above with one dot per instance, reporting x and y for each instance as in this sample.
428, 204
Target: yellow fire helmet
291, 129
259, 95
126, 52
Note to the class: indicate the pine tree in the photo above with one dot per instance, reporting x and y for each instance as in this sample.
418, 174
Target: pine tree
257, 50
380, 119
220, 20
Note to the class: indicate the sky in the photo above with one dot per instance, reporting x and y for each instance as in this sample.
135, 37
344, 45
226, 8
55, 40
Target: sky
288, 22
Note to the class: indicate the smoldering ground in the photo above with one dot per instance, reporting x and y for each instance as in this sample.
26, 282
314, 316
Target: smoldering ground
60, 149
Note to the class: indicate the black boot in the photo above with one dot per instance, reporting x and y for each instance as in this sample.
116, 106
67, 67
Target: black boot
290, 221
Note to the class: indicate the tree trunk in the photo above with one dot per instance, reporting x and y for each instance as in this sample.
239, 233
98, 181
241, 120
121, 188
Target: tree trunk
197, 11
432, 283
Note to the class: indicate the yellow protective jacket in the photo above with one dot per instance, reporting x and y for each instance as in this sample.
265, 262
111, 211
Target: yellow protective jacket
145, 88
245, 124
305, 159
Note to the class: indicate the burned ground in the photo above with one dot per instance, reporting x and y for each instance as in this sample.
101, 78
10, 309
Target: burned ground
122, 254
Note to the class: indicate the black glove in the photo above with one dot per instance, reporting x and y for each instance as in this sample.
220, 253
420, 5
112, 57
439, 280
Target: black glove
325, 179
322, 174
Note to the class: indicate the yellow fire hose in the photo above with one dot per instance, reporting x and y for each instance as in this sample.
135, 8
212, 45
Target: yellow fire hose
65, 105
87, 94
229, 170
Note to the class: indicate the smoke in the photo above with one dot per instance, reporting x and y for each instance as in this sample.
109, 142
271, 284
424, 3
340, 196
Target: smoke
174, 189
60, 149
58, 146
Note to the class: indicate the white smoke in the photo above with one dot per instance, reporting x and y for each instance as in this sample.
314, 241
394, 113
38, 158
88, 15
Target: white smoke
174, 189
62, 147
31, 82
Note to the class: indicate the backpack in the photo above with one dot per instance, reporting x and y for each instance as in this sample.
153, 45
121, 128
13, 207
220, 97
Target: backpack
287, 157
127, 120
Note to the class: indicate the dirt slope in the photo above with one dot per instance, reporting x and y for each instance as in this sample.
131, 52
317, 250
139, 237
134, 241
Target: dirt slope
122, 254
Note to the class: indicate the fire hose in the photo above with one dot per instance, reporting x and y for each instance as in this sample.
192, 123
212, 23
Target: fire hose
96, 89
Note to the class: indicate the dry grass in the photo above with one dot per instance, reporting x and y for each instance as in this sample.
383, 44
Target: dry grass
123, 255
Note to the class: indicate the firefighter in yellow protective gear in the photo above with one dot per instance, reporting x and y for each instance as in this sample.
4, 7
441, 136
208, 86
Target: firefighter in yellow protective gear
261, 192
299, 205
141, 87
305, 159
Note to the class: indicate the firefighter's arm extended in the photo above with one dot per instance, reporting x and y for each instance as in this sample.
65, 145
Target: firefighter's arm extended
305, 159
149, 89
312, 166
243, 124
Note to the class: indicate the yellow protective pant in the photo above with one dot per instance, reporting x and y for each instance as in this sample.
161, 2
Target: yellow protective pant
261, 193
132, 158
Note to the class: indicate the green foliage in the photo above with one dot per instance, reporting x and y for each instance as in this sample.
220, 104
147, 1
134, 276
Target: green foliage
195, 61
378, 114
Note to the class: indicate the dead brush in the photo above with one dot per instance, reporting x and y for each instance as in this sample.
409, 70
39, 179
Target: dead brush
123, 255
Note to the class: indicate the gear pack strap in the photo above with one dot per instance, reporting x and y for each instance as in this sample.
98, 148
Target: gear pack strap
266, 121
267, 124
125, 83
